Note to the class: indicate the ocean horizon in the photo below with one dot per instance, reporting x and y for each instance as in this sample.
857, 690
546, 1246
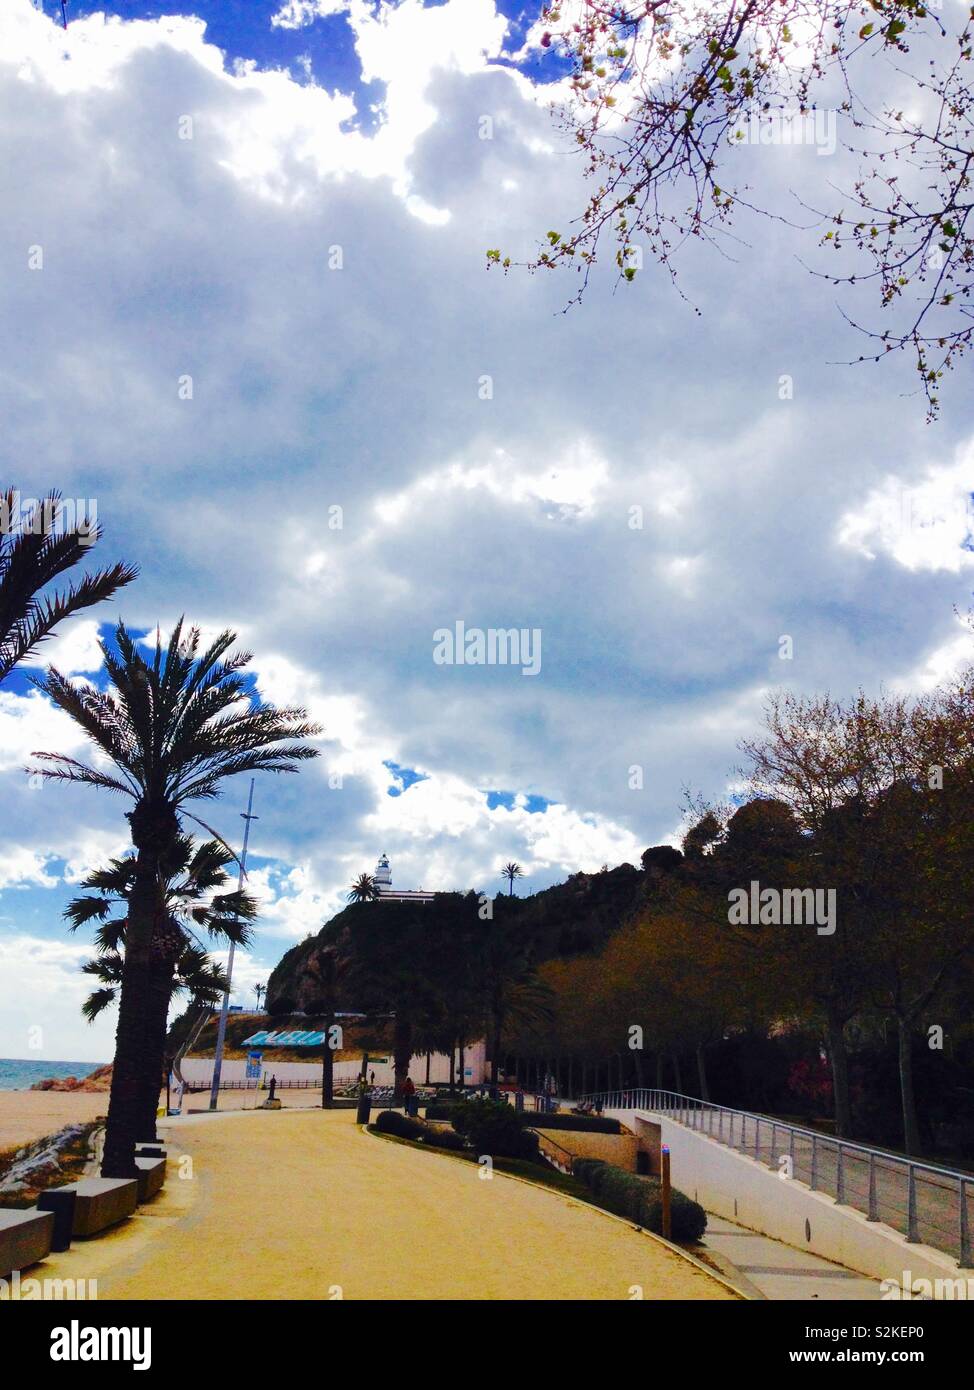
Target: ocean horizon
19, 1074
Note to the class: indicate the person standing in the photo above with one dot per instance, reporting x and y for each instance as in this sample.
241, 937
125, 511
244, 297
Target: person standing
408, 1092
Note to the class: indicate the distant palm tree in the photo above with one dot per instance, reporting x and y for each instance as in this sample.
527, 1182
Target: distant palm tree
329, 968
260, 990
173, 726
511, 872
364, 890
34, 550
194, 874
510, 989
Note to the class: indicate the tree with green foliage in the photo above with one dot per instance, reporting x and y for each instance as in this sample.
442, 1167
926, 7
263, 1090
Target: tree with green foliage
194, 876
35, 550
662, 97
363, 890
169, 730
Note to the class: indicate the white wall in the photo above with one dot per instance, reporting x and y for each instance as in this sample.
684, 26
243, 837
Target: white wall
199, 1070
739, 1188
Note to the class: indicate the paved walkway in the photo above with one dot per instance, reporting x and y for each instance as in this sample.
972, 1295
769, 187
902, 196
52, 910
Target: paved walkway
779, 1271
303, 1204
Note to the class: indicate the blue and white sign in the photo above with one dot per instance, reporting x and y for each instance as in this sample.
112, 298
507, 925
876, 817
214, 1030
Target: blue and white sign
255, 1062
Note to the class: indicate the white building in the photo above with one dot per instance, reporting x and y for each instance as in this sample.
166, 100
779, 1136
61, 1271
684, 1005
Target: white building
386, 893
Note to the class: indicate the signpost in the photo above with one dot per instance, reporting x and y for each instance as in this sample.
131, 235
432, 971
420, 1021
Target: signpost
222, 1028
665, 1191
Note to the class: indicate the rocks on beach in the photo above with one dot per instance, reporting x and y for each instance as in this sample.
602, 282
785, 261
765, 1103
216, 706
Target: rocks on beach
48, 1161
98, 1080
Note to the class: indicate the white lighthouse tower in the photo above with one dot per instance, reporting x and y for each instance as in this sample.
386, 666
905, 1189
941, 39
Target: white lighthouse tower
382, 878
383, 875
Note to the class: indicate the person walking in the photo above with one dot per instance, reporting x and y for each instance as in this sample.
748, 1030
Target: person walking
408, 1092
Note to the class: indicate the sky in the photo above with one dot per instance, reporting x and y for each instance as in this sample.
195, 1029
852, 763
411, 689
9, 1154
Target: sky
264, 342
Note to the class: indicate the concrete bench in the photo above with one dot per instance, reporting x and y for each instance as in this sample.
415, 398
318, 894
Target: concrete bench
94, 1204
25, 1238
150, 1148
152, 1174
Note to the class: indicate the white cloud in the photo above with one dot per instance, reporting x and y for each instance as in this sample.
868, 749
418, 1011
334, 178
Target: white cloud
318, 387
924, 524
41, 993
297, 14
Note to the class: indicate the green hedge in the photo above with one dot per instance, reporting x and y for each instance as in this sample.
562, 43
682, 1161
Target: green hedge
405, 1127
581, 1124
638, 1199
395, 1122
443, 1139
442, 1109
494, 1127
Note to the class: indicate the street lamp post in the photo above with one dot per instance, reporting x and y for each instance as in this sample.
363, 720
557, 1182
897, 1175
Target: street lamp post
225, 1006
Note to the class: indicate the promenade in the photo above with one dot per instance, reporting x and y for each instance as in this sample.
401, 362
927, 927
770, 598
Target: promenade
305, 1205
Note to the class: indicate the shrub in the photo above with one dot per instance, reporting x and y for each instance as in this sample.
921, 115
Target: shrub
442, 1109
639, 1199
443, 1139
582, 1124
495, 1128
404, 1127
394, 1122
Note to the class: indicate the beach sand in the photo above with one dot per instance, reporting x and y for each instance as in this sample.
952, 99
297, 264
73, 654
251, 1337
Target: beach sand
27, 1115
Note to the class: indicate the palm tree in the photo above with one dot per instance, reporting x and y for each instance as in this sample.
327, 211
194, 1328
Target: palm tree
172, 727
329, 969
34, 551
511, 872
260, 990
193, 875
510, 989
364, 890
194, 972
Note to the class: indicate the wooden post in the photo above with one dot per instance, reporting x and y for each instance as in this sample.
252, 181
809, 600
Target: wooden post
665, 1191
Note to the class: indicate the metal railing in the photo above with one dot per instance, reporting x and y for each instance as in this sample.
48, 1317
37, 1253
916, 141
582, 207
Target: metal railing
925, 1202
562, 1158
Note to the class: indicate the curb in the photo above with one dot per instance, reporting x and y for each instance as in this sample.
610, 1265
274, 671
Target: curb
721, 1278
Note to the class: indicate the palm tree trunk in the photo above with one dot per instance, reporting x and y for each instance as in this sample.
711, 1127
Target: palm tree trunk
677, 1077
497, 1028
462, 1053
911, 1129
135, 1057
429, 1059
402, 1052
156, 1023
327, 1073
702, 1073
839, 1060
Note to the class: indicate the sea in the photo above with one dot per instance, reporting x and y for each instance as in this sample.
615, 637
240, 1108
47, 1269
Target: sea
17, 1074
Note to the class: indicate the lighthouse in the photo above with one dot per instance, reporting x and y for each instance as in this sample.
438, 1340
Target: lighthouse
382, 878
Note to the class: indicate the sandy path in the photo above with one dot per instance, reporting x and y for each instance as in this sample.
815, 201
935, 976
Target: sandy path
27, 1115
301, 1205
